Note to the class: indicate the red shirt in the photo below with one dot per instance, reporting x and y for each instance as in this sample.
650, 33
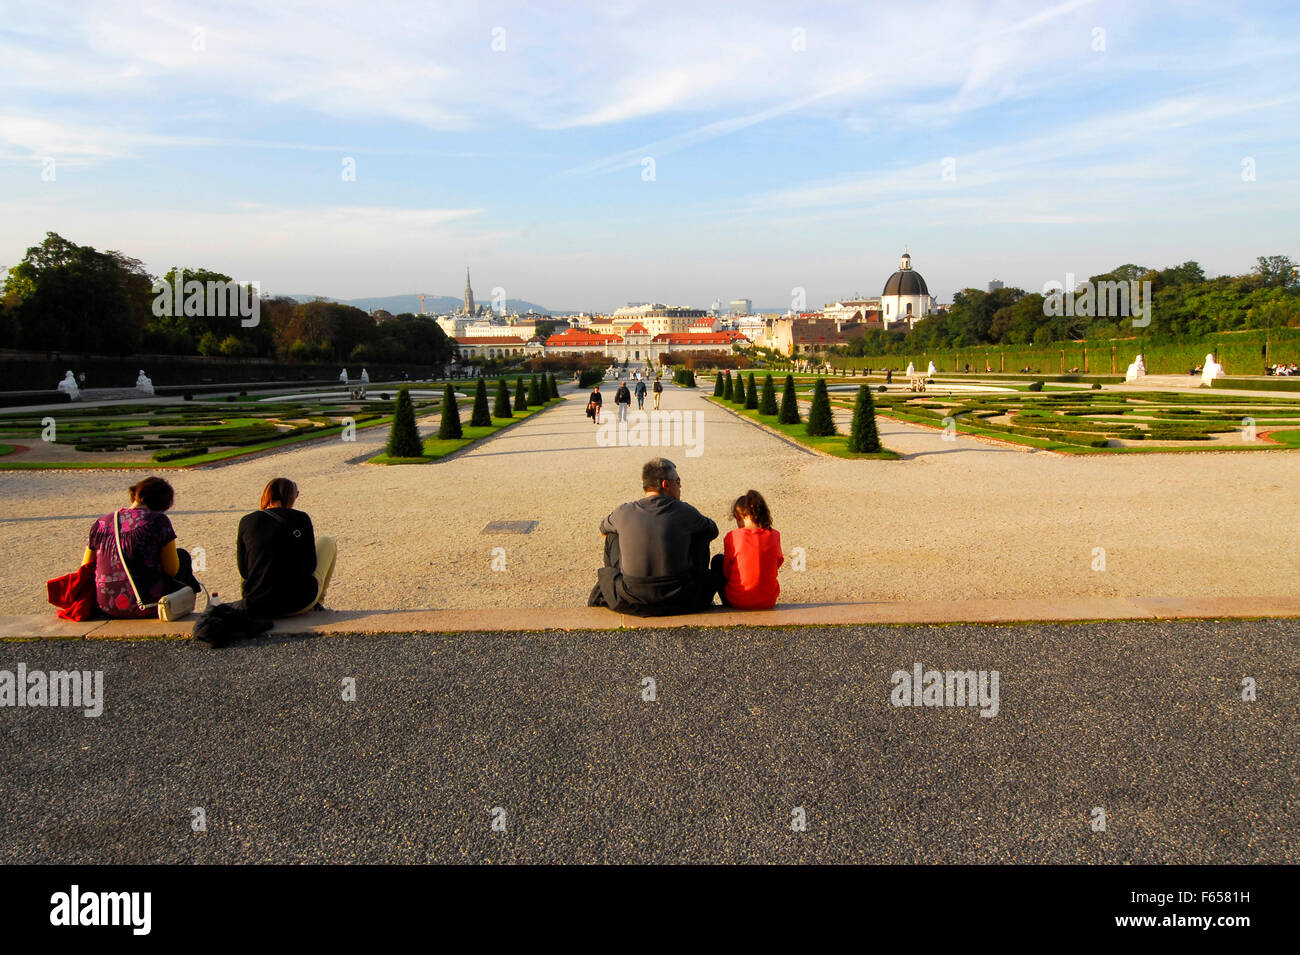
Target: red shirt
750, 558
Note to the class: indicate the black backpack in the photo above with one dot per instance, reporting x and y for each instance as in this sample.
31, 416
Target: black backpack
221, 624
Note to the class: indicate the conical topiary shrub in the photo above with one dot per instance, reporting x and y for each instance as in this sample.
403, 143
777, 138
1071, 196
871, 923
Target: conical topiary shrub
404, 438
727, 387
863, 438
502, 407
688, 378
751, 394
555, 386
820, 420
521, 395
789, 403
482, 418
717, 386
534, 392
767, 404
450, 428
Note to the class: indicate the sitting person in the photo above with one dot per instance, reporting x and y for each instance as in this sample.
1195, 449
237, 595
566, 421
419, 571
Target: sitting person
656, 551
285, 569
148, 542
745, 571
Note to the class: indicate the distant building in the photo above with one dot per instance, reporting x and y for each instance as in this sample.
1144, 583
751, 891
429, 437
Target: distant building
496, 346
906, 298
741, 306
995, 285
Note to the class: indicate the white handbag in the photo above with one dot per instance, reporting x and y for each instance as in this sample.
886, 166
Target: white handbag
172, 606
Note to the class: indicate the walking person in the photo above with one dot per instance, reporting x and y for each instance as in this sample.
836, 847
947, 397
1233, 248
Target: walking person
659, 390
640, 395
622, 401
594, 403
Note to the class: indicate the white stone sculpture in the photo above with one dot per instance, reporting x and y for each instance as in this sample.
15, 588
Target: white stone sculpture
365, 377
1136, 370
1211, 371
69, 387
931, 369
343, 376
143, 384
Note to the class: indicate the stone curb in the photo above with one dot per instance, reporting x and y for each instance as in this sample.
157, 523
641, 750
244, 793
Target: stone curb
910, 613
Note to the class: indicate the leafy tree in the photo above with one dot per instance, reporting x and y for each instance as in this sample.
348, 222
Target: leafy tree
767, 404
521, 395
820, 420
751, 394
449, 427
502, 407
1277, 271
863, 437
481, 418
789, 403
404, 436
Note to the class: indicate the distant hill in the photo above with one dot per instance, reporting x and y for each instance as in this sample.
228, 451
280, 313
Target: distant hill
436, 304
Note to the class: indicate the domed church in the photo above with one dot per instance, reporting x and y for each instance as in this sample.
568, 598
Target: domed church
906, 297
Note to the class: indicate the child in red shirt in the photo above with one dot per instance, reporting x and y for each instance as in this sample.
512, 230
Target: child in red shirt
751, 554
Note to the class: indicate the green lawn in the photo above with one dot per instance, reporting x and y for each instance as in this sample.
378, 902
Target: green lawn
436, 448
836, 444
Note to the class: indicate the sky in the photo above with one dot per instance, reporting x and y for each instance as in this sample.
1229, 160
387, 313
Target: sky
582, 156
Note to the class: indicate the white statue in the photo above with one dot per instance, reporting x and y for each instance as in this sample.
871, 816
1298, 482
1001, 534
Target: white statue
1136, 370
365, 377
69, 387
343, 376
932, 369
1211, 371
143, 384
911, 369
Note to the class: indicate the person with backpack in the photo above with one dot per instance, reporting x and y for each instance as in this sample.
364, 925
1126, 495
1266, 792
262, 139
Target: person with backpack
659, 390
622, 401
285, 569
640, 394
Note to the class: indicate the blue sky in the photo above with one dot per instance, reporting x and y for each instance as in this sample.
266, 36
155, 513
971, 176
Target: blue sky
794, 146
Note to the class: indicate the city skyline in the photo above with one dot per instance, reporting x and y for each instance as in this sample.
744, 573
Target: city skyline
339, 154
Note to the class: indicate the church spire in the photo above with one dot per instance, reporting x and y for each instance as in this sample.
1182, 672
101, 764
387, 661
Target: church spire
469, 294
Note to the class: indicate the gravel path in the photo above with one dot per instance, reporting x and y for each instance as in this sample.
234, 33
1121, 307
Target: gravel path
1144, 720
954, 520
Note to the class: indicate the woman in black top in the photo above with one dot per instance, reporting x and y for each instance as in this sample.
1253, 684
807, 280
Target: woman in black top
593, 405
285, 569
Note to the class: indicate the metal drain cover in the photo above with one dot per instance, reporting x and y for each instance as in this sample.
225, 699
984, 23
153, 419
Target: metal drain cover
510, 527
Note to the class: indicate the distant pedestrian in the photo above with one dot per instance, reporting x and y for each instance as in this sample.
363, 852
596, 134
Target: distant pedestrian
659, 390
640, 394
622, 401
594, 404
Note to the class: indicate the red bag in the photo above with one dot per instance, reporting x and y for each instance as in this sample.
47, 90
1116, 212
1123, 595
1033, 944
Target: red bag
74, 594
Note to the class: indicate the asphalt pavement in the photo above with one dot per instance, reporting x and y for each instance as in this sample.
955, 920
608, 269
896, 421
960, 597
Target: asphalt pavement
749, 746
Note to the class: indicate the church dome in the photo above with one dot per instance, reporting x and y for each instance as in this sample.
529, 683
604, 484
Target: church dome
906, 281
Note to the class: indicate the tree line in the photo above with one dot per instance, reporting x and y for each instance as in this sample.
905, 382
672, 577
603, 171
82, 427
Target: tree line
68, 297
1184, 304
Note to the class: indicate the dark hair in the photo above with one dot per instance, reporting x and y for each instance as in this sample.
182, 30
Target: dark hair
655, 472
752, 503
154, 493
279, 491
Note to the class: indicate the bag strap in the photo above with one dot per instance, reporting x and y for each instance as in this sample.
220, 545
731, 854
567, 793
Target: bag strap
282, 520
117, 537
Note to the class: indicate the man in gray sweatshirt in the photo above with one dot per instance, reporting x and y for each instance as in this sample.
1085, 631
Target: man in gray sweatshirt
656, 551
